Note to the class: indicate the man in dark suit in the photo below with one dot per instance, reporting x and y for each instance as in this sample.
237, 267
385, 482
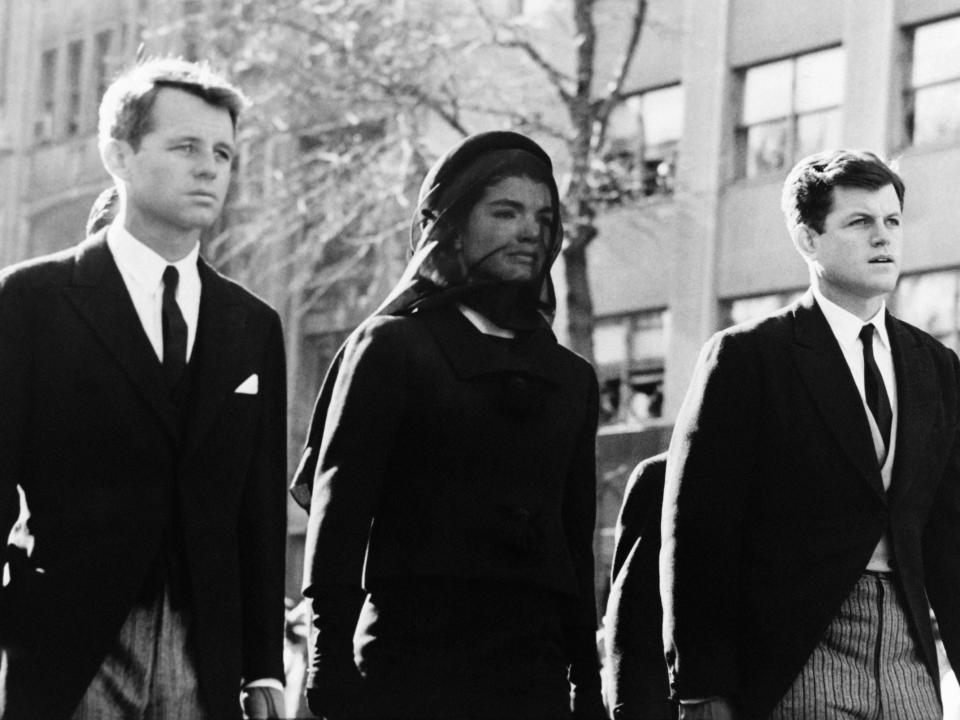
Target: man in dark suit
144, 423
636, 673
812, 500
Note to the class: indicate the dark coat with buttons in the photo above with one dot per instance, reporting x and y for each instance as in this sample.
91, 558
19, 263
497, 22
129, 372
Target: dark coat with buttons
774, 503
449, 454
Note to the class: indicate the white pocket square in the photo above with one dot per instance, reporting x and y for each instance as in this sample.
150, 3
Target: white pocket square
250, 386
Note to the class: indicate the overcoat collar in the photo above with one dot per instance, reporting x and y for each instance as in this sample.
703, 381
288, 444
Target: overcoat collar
99, 294
917, 400
101, 298
827, 376
472, 354
216, 366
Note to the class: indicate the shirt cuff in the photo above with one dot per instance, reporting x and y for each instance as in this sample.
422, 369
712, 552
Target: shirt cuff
264, 682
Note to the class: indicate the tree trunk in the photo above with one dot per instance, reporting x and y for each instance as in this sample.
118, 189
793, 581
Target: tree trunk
579, 299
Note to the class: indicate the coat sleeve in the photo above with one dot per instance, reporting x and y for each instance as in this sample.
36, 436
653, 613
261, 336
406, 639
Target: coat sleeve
579, 517
15, 412
365, 410
941, 539
709, 467
262, 531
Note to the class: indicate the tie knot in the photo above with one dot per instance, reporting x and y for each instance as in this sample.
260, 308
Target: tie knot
171, 277
866, 333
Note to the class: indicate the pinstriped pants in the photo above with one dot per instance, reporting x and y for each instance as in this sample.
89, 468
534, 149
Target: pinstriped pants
867, 666
148, 673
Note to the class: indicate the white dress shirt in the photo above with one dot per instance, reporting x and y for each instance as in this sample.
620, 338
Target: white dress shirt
846, 328
142, 271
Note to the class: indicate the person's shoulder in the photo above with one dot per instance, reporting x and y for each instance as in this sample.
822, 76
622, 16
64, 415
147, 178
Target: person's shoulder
39, 273
237, 292
910, 335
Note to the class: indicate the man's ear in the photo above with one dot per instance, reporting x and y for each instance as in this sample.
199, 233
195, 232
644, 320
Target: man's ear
806, 240
116, 155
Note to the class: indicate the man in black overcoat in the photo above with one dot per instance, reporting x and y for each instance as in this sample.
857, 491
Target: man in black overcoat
812, 500
143, 422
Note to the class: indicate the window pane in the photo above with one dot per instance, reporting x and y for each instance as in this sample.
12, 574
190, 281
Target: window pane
936, 52
662, 115
745, 309
820, 80
766, 92
937, 114
624, 121
930, 301
816, 132
767, 147
610, 342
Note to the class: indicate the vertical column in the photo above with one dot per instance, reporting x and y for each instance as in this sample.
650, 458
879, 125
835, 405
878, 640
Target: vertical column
707, 130
872, 97
23, 54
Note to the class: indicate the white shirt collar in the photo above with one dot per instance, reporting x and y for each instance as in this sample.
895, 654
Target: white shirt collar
846, 326
483, 323
144, 266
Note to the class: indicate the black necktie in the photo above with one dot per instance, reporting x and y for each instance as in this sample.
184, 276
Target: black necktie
876, 391
174, 329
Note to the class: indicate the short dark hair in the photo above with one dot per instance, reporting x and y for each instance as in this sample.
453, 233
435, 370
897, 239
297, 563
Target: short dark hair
125, 111
808, 190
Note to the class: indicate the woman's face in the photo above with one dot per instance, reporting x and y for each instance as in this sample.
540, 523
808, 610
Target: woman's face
508, 230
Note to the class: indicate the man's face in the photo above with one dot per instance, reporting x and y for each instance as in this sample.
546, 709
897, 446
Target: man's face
177, 179
857, 256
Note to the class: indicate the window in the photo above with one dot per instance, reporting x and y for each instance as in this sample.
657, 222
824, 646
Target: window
629, 352
43, 126
734, 312
933, 94
791, 108
931, 301
74, 73
641, 155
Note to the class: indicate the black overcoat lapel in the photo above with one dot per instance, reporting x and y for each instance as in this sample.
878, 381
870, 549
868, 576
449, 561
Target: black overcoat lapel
216, 365
917, 401
100, 296
827, 376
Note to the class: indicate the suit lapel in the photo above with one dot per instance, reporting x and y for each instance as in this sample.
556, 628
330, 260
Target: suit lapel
917, 398
827, 376
101, 298
215, 369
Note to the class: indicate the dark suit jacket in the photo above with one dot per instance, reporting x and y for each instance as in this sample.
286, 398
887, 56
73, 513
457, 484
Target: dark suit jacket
637, 673
89, 431
472, 461
774, 503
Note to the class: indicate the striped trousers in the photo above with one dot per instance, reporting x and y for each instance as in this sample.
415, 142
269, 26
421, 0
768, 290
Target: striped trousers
867, 666
149, 673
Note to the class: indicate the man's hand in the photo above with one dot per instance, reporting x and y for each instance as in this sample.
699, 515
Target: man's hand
713, 709
262, 703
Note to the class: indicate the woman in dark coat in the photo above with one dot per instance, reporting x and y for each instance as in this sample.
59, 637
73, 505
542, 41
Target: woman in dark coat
449, 548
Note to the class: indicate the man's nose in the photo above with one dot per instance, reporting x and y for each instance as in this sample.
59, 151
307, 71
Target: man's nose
882, 234
206, 165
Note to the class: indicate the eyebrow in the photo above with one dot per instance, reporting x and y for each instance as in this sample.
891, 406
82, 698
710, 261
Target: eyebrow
517, 205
